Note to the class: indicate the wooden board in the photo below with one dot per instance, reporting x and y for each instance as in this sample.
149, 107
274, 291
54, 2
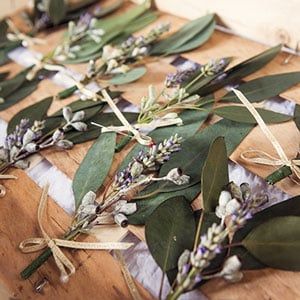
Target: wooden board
266, 21
97, 271
266, 284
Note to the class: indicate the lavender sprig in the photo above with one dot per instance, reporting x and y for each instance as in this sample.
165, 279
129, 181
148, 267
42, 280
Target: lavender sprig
28, 139
236, 206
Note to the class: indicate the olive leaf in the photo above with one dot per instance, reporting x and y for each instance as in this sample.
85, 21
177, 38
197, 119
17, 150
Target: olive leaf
297, 115
37, 111
94, 167
214, 174
239, 71
169, 231
186, 34
198, 40
56, 10
288, 207
26, 89
266, 87
3, 75
242, 115
130, 76
276, 243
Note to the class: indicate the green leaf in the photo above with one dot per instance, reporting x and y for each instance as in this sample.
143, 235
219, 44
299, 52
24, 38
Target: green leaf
242, 115
169, 231
266, 87
276, 243
27, 88
192, 120
3, 75
7, 87
194, 150
191, 159
288, 207
56, 10
241, 70
181, 37
198, 40
37, 111
214, 174
297, 115
94, 167
130, 76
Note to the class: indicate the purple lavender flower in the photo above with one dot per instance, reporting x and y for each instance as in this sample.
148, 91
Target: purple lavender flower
181, 76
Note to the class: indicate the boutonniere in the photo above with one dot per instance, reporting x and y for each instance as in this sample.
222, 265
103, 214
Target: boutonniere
235, 231
115, 204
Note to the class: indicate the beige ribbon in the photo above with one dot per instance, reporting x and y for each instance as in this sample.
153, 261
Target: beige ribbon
261, 157
2, 187
142, 139
65, 266
128, 278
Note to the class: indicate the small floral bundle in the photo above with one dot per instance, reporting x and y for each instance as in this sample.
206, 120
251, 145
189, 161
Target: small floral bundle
139, 173
116, 59
28, 139
84, 28
236, 206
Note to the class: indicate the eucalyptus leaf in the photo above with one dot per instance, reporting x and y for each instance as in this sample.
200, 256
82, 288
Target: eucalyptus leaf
194, 150
26, 89
37, 111
192, 120
214, 174
94, 167
242, 115
169, 231
198, 40
130, 76
241, 70
56, 10
181, 37
288, 207
297, 115
276, 243
265, 87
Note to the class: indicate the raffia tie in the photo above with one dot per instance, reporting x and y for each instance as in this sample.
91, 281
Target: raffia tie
2, 187
64, 265
261, 157
142, 139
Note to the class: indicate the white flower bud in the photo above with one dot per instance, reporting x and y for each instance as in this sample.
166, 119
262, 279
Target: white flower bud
231, 269
232, 206
3, 154
28, 136
176, 176
88, 198
31, 147
122, 69
136, 169
58, 135
64, 144
111, 64
224, 198
67, 113
79, 126
64, 278
127, 208
78, 116
121, 220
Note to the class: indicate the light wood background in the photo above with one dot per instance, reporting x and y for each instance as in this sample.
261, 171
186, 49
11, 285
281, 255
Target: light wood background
97, 271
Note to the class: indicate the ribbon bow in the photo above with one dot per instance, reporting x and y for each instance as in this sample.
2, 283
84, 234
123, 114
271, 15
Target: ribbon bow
261, 157
64, 265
